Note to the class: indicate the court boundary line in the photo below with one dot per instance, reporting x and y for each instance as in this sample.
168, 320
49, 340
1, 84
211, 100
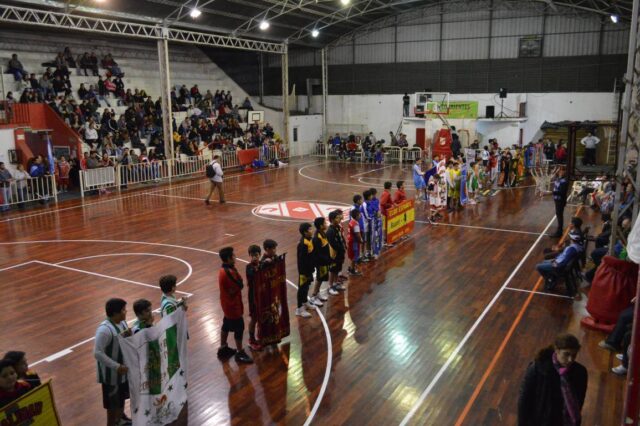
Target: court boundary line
327, 375
202, 199
96, 274
167, 187
461, 344
371, 171
542, 293
17, 265
483, 228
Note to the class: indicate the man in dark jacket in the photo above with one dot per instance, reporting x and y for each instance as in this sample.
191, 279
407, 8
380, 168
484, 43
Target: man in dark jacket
554, 386
560, 189
336, 240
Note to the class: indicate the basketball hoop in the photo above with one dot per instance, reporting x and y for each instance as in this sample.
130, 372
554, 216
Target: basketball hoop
543, 176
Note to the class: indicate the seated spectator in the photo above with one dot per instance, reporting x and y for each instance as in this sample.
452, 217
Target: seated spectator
89, 62
561, 153
195, 94
58, 85
16, 68
93, 162
82, 92
111, 65
552, 269
247, 104
68, 58
45, 85
21, 368
598, 253
109, 86
102, 89
91, 135
575, 227
10, 387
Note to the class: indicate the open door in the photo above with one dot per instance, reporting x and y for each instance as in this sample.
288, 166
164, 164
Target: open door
420, 138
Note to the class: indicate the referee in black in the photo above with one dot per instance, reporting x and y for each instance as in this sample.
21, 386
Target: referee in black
560, 189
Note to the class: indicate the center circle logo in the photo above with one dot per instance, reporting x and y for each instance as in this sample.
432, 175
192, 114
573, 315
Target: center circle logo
298, 210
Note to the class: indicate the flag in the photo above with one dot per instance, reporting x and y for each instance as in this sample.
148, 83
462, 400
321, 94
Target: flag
271, 301
157, 362
34, 408
50, 155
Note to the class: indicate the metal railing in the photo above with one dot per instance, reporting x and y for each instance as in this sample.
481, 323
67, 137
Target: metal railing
393, 154
270, 152
14, 113
20, 192
411, 154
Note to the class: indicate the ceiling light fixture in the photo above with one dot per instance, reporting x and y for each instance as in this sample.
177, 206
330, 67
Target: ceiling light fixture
195, 12
264, 25
614, 18
315, 33
345, 2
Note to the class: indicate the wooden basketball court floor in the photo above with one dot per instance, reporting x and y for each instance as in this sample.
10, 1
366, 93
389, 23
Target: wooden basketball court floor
438, 331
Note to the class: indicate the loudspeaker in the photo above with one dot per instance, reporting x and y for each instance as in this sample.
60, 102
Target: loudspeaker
490, 111
503, 93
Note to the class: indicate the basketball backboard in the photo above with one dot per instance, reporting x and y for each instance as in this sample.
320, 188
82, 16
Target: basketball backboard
431, 103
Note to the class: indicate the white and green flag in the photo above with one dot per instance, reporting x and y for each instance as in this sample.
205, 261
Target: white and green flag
157, 362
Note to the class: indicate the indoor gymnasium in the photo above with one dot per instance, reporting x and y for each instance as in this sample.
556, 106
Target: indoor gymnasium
319, 212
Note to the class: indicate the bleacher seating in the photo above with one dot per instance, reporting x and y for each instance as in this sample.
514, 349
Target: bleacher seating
137, 59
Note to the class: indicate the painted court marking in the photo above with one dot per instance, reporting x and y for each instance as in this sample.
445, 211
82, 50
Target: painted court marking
471, 330
484, 228
371, 171
297, 209
68, 350
542, 293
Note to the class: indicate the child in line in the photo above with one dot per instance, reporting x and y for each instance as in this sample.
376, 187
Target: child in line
322, 250
418, 180
354, 242
144, 315
373, 208
251, 270
399, 196
472, 183
168, 301
112, 373
10, 387
357, 205
306, 266
231, 285
21, 366
366, 222
337, 243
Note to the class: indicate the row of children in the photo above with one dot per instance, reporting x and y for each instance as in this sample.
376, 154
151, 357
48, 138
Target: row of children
15, 377
111, 370
323, 249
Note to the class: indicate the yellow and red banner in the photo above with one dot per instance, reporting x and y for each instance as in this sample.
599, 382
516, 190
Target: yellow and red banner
35, 408
400, 220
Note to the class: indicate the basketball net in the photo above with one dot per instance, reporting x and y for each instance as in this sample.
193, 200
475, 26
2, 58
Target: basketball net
543, 176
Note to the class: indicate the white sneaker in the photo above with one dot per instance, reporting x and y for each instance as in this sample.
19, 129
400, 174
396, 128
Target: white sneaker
333, 291
316, 301
340, 287
322, 297
619, 356
302, 312
619, 370
310, 305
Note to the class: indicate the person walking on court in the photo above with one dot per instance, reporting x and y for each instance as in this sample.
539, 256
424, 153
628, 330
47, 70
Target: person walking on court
215, 174
554, 386
560, 189
590, 141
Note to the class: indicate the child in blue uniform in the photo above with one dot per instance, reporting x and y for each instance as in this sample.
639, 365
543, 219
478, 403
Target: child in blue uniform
418, 180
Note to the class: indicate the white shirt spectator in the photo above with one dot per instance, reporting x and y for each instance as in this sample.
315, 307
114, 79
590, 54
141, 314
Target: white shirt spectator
484, 155
218, 169
90, 134
590, 141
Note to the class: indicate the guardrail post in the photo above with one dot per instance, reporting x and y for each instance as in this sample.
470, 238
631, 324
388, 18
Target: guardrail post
55, 188
117, 171
82, 183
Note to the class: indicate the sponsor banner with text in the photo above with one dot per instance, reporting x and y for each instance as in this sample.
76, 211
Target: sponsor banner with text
35, 408
399, 221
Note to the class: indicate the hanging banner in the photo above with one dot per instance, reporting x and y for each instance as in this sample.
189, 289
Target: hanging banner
271, 302
35, 408
157, 362
400, 221
463, 109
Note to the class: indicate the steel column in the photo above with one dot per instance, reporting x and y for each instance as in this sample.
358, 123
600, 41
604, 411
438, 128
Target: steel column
285, 94
325, 89
165, 94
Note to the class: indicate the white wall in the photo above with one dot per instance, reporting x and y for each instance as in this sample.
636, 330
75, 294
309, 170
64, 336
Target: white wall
383, 113
7, 142
309, 131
